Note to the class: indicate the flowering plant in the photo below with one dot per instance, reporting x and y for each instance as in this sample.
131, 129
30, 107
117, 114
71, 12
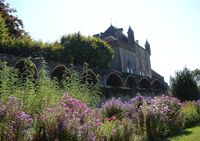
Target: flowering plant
113, 108
70, 119
14, 123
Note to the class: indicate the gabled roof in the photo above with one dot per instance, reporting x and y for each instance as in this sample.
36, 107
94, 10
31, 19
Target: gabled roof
110, 30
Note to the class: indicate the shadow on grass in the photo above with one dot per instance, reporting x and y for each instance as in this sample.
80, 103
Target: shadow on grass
180, 133
185, 132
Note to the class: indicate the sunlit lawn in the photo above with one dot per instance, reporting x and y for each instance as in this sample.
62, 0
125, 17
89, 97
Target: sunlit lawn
190, 134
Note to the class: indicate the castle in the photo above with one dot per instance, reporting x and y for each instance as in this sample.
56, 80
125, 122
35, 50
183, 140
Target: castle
131, 65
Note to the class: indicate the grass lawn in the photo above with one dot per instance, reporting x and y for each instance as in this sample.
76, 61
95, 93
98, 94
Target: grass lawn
190, 134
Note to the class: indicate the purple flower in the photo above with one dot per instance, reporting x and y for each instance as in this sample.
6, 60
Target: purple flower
70, 116
91, 136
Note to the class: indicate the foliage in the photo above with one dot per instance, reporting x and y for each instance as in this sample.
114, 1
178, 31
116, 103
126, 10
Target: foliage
198, 106
73, 48
196, 75
3, 32
79, 49
163, 117
69, 120
89, 77
43, 92
152, 118
27, 47
26, 68
190, 113
95, 52
8, 81
184, 86
60, 73
89, 94
40, 111
14, 123
113, 107
13, 23
116, 130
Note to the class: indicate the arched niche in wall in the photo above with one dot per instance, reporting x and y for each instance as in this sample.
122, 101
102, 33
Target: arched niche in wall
131, 82
90, 77
60, 73
26, 69
144, 83
156, 84
114, 80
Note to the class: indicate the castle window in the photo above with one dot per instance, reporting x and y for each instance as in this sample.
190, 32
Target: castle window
128, 70
131, 70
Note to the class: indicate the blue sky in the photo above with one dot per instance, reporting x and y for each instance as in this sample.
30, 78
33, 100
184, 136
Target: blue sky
172, 27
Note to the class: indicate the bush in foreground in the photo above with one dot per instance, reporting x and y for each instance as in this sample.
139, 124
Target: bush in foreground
190, 113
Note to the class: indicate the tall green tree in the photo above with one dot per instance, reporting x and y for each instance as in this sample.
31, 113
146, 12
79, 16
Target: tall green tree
3, 32
79, 49
183, 85
13, 23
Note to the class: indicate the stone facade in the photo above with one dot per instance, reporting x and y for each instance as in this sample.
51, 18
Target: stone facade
130, 72
129, 56
130, 61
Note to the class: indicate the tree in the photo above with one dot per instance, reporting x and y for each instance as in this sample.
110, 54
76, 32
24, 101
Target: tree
196, 75
184, 86
79, 49
3, 32
13, 23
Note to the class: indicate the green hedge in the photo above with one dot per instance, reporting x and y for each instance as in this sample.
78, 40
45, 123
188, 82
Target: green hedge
73, 48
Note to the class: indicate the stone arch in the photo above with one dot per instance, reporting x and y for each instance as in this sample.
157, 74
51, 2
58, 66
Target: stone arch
131, 82
114, 79
60, 72
90, 77
26, 69
144, 83
156, 84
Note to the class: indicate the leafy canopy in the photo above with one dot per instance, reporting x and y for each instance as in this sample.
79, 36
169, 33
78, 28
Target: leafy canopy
79, 49
184, 86
3, 31
13, 23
